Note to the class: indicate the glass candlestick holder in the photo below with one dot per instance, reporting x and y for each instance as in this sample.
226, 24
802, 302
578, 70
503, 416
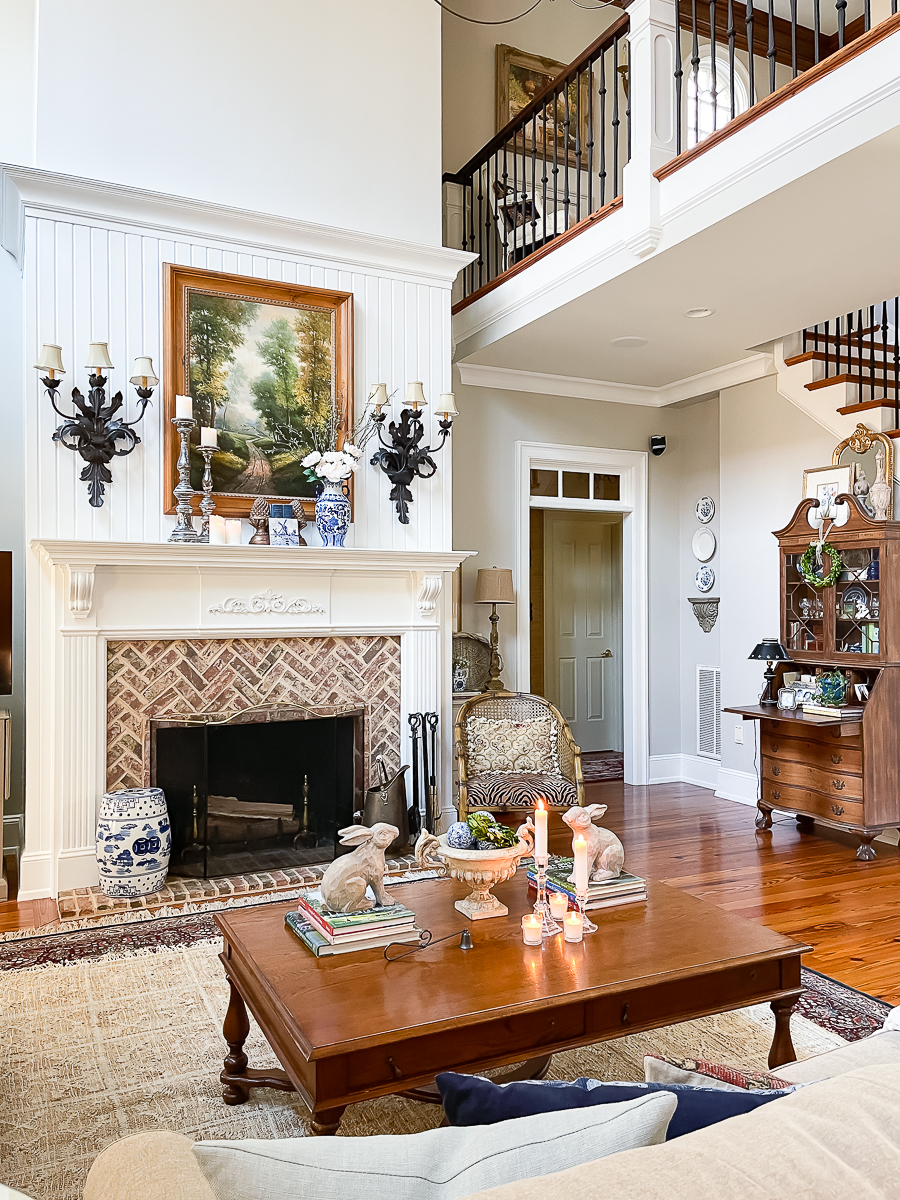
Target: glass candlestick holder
184, 530
587, 924
541, 905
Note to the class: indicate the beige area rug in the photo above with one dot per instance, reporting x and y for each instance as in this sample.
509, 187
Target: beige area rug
99, 1049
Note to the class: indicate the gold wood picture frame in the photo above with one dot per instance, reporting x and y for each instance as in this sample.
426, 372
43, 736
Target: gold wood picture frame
520, 77
263, 362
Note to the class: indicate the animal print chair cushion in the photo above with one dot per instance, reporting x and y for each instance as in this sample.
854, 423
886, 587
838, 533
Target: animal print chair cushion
497, 746
520, 790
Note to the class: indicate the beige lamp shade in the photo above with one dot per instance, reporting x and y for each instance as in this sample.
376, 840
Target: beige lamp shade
144, 375
51, 360
98, 359
415, 397
447, 406
494, 585
378, 397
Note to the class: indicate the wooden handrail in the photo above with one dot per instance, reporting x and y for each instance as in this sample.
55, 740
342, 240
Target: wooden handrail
521, 119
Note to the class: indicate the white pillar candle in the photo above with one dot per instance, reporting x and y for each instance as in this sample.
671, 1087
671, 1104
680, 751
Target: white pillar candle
233, 532
532, 930
184, 408
573, 927
540, 833
559, 905
209, 435
217, 536
579, 849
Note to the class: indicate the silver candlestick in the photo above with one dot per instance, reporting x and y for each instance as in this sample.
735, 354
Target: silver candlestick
207, 504
184, 530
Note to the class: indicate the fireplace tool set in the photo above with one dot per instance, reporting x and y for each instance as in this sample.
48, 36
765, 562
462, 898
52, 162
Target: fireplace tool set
422, 731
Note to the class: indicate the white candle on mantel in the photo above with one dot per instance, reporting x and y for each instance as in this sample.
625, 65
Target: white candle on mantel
217, 531
579, 849
540, 833
209, 435
184, 408
233, 532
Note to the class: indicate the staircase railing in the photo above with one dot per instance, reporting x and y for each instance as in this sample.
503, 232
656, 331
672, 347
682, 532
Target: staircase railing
731, 54
861, 348
556, 164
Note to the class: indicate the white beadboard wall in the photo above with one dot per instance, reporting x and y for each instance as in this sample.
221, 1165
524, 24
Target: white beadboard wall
87, 279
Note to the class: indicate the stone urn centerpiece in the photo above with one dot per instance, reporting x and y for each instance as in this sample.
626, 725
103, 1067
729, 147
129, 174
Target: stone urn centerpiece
478, 869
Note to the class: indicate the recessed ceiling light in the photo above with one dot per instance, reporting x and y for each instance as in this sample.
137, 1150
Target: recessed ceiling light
699, 312
629, 343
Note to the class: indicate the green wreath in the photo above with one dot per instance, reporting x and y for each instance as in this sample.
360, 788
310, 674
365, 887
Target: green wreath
808, 564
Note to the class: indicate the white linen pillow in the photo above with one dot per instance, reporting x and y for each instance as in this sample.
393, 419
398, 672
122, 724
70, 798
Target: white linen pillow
500, 746
440, 1164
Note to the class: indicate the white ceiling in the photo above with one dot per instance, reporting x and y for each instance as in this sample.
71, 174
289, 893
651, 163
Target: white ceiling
827, 243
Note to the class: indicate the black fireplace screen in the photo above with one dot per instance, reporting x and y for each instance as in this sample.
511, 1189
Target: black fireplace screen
257, 795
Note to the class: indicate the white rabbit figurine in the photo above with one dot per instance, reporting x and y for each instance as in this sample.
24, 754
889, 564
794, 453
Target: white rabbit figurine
345, 880
605, 855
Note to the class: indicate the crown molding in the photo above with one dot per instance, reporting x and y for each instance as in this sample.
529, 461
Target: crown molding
706, 383
26, 189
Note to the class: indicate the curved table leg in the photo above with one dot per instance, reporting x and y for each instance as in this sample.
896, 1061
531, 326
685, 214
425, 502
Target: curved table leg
326, 1122
782, 1050
236, 1077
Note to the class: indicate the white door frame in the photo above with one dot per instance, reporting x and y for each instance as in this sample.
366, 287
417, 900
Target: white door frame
631, 467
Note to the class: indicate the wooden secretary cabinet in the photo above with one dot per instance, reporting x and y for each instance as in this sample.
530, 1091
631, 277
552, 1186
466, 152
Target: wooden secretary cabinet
839, 772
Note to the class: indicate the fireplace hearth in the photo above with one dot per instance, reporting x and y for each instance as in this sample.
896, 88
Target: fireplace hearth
260, 791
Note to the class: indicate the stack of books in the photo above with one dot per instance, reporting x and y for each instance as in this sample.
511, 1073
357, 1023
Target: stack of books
326, 933
850, 712
609, 893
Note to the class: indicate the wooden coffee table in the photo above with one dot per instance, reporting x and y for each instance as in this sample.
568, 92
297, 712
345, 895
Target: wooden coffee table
352, 1027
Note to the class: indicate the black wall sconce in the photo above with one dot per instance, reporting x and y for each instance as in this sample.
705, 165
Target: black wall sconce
402, 458
93, 432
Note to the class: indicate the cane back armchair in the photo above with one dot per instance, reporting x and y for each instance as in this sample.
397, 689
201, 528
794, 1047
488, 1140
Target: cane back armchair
512, 749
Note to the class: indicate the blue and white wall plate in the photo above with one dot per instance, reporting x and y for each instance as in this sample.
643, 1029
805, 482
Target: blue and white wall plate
705, 579
706, 509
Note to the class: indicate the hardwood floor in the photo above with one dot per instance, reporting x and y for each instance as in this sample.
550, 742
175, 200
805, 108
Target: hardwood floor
807, 885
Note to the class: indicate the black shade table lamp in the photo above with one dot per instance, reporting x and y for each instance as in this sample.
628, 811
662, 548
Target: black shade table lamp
770, 651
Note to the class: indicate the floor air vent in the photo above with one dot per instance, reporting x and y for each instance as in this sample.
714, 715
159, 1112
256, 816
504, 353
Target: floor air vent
709, 712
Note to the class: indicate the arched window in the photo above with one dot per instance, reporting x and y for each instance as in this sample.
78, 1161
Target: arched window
708, 97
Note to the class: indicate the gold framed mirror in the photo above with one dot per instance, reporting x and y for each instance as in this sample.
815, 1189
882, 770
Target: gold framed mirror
861, 451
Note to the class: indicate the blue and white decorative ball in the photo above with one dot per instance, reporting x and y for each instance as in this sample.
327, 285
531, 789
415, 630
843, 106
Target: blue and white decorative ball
460, 836
484, 844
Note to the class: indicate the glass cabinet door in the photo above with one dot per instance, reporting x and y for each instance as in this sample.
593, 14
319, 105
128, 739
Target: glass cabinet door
857, 602
804, 609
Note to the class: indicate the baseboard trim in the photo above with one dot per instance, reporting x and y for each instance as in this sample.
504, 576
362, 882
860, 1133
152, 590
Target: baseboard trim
14, 834
741, 786
684, 768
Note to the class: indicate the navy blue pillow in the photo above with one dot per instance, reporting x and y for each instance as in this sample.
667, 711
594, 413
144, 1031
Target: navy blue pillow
470, 1100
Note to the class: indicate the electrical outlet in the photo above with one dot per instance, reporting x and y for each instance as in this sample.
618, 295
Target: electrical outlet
739, 734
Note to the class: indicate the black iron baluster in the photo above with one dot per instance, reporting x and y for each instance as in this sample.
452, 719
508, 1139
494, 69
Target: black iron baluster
793, 39
566, 127
712, 64
602, 95
480, 221
872, 336
770, 53
860, 335
827, 336
628, 102
841, 7
578, 149
731, 36
679, 76
850, 345
884, 346
695, 70
817, 25
590, 144
615, 121
555, 99
867, 16
472, 230
465, 242
544, 170
504, 199
518, 218
748, 22
533, 180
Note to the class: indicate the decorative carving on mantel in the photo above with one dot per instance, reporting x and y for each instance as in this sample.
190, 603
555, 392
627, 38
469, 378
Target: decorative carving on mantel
265, 602
81, 591
429, 591
706, 610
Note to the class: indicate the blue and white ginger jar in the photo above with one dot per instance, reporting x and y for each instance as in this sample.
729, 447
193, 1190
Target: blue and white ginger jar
332, 514
134, 841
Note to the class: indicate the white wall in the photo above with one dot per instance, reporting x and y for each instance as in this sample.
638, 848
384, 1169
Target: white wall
320, 111
765, 445
559, 31
490, 423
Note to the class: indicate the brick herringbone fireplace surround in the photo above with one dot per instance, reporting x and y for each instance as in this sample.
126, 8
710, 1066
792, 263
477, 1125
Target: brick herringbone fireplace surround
147, 679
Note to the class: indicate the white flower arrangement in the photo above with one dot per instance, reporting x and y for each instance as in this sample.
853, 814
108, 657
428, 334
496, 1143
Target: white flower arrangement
332, 465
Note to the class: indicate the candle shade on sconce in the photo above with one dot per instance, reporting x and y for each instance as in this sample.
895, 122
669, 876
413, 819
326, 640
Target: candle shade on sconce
400, 455
94, 431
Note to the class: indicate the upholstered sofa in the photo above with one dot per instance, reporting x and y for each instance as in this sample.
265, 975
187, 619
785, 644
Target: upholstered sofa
837, 1138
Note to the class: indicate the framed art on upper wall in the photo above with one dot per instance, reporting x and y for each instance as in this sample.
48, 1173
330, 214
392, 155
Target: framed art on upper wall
270, 366
521, 77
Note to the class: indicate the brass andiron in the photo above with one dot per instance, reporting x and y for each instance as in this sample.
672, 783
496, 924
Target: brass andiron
305, 835
184, 530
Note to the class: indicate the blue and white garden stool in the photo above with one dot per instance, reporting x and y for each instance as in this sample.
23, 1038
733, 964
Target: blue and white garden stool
134, 842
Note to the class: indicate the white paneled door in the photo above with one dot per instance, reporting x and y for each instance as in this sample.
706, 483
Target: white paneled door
583, 625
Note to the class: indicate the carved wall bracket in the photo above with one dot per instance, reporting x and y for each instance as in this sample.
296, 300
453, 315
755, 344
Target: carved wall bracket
81, 591
706, 610
429, 591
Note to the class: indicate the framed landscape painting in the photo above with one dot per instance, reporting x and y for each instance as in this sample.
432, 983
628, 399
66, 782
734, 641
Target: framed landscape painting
269, 365
520, 78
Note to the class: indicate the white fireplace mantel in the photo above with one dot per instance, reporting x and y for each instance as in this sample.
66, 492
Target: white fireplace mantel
84, 593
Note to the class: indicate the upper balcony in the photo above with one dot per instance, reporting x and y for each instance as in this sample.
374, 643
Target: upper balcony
671, 169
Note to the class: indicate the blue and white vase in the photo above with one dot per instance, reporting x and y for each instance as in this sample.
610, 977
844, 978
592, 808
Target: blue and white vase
134, 841
332, 514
